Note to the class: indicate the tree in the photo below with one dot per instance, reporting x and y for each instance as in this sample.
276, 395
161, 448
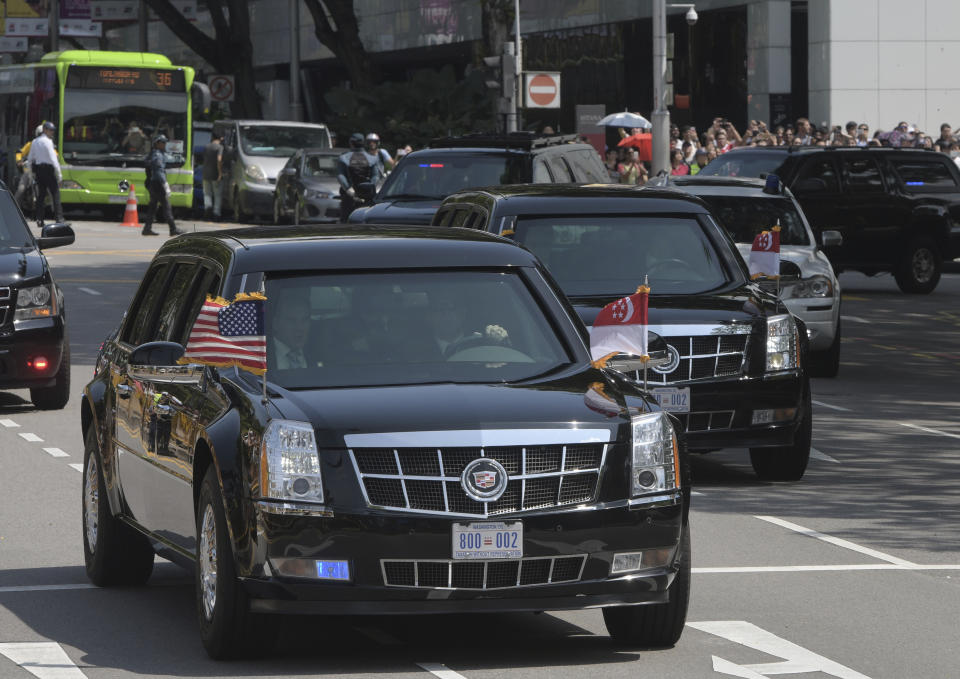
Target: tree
342, 37
229, 52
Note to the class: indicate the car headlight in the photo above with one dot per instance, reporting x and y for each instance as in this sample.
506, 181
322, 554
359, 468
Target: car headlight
255, 174
783, 344
37, 301
655, 458
815, 286
289, 463
71, 185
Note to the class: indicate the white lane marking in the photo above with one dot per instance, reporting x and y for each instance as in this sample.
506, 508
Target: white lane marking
839, 542
379, 636
32, 438
44, 588
78, 467
89, 291
814, 453
917, 426
438, 670
44, 659
695, 492
795, 658
829, 405
855, 319
9, 423
724, 570
56, 452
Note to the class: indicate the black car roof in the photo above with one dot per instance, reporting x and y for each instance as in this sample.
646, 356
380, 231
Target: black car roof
581, 198
356, 246
715, 185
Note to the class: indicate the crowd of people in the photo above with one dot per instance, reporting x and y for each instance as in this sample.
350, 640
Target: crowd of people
691, 150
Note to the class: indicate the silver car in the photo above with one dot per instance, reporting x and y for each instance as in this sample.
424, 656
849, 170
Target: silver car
746, 207
307, 188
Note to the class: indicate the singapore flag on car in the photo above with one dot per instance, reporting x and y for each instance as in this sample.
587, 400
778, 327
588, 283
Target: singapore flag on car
765, 254
621, 327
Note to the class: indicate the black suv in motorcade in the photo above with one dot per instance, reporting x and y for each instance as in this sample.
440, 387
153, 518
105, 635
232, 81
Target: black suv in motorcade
738, 375
898, 210
413, 190
34, 350
440, 443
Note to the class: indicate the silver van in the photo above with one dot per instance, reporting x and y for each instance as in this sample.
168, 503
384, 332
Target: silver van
254, 152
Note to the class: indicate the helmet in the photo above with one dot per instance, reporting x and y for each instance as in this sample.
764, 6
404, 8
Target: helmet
356, 140
372, 136
37, 132
49, 126
160, 138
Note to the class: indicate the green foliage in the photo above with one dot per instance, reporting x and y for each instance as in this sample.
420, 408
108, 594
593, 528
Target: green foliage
429, 104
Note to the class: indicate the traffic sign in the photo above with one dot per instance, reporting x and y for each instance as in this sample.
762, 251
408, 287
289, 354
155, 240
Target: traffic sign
221, 87
541, 90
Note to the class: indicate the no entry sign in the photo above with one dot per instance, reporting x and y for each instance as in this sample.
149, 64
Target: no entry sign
541, 90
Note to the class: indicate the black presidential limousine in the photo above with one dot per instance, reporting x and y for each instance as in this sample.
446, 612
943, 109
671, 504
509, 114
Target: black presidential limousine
739, 372
431, 437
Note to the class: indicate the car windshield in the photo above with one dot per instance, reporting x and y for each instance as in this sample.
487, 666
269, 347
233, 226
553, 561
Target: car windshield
739, 164
744, 217
438, 175
600, 255
281, 141
365, 329
319, 165
14, 233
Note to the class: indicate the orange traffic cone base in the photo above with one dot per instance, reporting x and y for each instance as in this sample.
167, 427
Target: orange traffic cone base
130, 217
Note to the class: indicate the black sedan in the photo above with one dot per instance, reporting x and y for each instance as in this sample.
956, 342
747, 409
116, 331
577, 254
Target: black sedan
738, 374
430, 436
307, 188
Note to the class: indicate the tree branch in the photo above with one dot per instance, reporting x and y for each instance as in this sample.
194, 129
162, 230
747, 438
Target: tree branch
199, 42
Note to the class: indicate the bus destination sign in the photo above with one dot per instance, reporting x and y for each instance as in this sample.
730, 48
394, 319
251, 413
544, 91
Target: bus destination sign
125, 78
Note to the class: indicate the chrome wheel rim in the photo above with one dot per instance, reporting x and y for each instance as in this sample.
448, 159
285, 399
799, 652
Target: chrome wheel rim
91, 502
208, 562
923, 265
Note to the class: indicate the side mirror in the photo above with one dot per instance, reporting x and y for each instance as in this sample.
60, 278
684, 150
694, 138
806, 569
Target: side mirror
367, 190
289, 172
157, 362
812, 185
55, 236
831, 239
789, 271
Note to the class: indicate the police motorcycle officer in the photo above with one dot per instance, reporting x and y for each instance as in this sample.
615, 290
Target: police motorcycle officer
357, 166
156, 171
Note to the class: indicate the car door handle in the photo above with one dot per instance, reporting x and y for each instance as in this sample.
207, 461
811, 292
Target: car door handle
124, 391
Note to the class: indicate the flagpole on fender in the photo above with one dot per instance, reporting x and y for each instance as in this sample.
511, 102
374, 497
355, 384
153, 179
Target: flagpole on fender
646, 283
265, 399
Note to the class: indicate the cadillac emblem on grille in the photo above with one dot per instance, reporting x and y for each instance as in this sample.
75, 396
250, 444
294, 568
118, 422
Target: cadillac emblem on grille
484, 480
672, 365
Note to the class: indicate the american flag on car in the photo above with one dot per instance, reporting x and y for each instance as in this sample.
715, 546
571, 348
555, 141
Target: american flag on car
230, 334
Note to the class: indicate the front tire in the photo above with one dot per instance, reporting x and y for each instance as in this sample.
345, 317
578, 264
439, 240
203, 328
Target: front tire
114, 553
278, 215
827, 363
55, 397
919, 270
655, 625
787, 463
238, 214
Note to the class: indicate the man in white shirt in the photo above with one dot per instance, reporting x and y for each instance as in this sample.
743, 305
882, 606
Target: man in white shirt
290, 328
45, 164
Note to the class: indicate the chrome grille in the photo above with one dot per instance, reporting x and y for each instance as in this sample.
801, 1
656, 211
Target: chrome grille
703, 358
428, 479
499, 574
715, 420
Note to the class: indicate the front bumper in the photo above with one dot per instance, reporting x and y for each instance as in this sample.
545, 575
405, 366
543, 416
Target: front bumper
821, 316
731, 404
256, 199
22, 343
366, 540
321, 209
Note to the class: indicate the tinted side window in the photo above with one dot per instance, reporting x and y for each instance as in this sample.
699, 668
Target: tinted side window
924, 175
820, 168
205, 283
173, 302
587, 167
863, 175
144, 308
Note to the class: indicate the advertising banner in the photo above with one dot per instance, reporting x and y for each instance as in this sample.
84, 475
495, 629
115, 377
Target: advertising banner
30, 28
74, 9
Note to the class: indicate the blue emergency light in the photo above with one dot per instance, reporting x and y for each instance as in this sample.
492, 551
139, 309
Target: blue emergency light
333, 570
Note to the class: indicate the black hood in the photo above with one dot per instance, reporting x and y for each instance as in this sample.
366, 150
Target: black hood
400, 211
17, 266
582, 398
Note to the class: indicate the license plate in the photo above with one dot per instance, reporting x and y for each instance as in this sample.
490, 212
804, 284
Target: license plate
673, 399
488, 540
116, 199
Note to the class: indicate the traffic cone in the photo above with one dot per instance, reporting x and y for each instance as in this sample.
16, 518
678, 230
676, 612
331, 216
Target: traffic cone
130, 217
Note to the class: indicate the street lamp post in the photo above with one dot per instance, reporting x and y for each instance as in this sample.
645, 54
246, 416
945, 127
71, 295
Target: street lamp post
660, 118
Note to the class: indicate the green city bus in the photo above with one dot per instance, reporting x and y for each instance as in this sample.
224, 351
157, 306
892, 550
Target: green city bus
107, 107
